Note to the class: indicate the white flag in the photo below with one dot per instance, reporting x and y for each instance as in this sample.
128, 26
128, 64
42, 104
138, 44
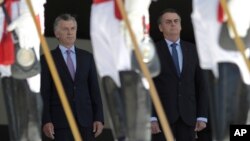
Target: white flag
212, 42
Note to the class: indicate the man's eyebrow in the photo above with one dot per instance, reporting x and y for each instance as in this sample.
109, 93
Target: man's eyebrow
172, 19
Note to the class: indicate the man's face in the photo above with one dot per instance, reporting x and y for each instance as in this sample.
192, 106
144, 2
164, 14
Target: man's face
170, 25
66, 32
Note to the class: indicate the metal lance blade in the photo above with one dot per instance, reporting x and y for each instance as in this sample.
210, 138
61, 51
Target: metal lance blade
23, 110
115, 103
137, 105
228, 99
35, 103
11, 108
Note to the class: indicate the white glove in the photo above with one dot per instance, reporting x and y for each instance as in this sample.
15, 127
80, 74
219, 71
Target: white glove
5, 71
26, 31
24, 25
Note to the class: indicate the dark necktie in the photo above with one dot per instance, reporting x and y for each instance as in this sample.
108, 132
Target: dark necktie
175, 58
70, 64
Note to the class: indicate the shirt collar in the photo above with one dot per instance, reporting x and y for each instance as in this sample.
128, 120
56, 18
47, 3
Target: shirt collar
170, 42
64, 49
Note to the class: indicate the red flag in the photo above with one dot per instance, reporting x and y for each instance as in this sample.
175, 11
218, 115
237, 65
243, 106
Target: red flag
7, 55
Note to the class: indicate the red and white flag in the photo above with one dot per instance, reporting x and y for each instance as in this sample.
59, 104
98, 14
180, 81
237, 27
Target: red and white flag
227, 75
214, 45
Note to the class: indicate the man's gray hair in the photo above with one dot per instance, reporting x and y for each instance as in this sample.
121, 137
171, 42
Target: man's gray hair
64, 17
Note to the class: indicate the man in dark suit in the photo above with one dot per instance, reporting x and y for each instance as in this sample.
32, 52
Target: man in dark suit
180, 84
77, 72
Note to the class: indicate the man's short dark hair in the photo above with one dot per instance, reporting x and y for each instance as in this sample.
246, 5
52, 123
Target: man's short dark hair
168, 10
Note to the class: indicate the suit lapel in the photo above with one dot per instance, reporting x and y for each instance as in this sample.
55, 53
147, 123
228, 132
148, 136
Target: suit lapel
168, 57
184, 50
78, 64
62, 64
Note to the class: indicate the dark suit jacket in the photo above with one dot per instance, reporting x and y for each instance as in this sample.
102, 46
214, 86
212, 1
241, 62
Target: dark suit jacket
182, 96
83, 93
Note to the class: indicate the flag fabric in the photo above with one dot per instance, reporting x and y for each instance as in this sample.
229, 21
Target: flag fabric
112, 50
7, 52
109, 48
112, 45
207, 29
227, 75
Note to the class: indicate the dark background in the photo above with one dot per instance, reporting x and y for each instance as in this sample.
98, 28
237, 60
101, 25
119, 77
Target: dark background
81, 9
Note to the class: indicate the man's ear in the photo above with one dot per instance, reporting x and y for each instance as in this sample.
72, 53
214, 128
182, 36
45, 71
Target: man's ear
160, 28
56, 34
